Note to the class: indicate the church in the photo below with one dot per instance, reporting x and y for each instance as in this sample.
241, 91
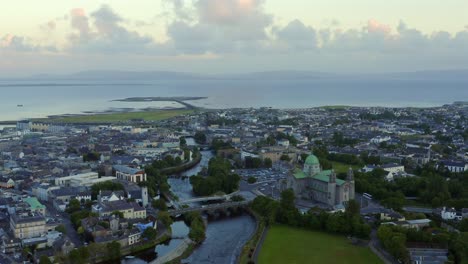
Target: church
313, 183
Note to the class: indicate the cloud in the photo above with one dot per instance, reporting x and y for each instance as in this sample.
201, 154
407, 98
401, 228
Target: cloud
222, 26
374, 26
297, 36
103, 31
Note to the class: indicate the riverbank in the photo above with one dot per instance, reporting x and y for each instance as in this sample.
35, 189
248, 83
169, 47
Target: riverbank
251, 247
184, 167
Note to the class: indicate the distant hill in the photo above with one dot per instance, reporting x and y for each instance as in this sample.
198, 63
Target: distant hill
106, 75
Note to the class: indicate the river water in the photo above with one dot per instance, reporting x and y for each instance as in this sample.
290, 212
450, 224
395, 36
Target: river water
225, 237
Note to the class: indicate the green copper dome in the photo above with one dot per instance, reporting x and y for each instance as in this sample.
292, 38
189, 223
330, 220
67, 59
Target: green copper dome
312, 160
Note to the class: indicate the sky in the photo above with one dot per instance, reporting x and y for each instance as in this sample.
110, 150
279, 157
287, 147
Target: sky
232, 36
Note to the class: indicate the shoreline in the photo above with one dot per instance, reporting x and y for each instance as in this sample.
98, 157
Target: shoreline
91, 114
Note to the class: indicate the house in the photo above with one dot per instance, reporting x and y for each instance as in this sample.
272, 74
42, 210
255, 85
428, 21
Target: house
448, 213
455, 166
8, 184
129, 174
390, 215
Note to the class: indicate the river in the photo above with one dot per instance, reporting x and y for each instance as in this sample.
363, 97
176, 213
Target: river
225, 237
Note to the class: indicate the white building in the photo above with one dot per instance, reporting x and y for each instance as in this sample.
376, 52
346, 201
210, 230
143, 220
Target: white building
380, 139
448, 214
84, 179
455, 166
393, 169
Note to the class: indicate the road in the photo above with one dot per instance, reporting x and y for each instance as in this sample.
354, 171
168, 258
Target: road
65, 220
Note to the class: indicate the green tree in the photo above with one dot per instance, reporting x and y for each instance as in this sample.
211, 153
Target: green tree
200, 137
44, 260
113, 250
182, 142
252, 180
268, 163
159, 204
61, 229
149, 234
73, 206
285, 157
165, 218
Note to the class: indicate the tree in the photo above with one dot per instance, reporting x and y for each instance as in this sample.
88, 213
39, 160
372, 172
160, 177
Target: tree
61, 229
352, 209
197, 228
252, 180
159, 204
285, 157
149, 234
74, 206
113, 250
268, 163
165, 218
200, 137
464, 225
44, 260
182, 142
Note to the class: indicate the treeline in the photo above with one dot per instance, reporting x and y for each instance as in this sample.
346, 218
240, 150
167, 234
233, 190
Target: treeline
219, 179
340, 140
433, 187
285, 212
395, 239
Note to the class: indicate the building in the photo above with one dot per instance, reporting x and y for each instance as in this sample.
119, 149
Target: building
313, 183
393, 169
448, 213
129, 174
35, 206
79, 180
130, 210
8, 184
28, 226
455, 166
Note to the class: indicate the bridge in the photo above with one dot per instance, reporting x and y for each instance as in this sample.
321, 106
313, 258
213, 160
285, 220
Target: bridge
226, 197
212, 207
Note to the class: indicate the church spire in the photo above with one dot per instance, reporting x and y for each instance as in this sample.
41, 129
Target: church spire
332, 177
350, 176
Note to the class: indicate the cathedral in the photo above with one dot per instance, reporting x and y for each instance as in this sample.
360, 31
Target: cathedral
313, 183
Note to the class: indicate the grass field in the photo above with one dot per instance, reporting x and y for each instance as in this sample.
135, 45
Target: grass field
120, 117
343, 168
296, 246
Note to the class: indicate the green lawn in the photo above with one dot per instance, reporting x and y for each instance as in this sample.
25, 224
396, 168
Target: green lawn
120, 117
343, 168
297, 246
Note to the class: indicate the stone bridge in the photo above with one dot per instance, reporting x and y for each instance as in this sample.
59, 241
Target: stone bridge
207, 208
226, 197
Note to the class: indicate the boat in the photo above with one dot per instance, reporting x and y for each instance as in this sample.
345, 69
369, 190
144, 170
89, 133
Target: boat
20, 105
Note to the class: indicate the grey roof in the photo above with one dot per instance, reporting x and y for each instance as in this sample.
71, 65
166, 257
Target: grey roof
126, 169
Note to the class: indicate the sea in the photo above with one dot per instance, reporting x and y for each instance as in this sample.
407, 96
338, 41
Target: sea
34, 99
